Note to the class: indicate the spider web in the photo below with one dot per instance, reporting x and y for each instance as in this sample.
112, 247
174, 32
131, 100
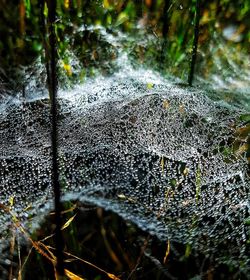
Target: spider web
165, 157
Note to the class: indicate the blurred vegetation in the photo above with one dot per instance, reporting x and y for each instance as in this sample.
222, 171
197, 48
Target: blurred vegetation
118, 247
159, 35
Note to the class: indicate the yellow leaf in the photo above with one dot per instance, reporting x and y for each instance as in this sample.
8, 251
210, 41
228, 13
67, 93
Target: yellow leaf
188, 250
167, 193
11, 201
66, 211
67, 68
242, 149
185, 171
68, 222
14, 218
106, 4
122, 17
121, 196
66, 4
70, 209
150, 85
167, 252
182, 108
197, 184
27, 208
162, 164
130, 199
165, 104
112, 276
72, 276
45, 10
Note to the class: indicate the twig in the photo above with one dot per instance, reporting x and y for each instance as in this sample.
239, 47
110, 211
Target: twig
195, 43
54, 137
140, 257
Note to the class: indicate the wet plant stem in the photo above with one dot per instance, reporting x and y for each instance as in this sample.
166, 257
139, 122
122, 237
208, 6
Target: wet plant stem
44, 39
54, 137
195, 43
165, 18
165, 28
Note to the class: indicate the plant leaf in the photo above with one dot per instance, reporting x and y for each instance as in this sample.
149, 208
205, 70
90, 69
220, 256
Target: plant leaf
68, 222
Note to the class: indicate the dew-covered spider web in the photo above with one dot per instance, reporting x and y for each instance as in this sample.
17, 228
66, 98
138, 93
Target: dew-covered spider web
163, 156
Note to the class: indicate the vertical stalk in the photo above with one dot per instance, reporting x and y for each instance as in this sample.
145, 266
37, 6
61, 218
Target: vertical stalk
22, 17
195, 43
44, 40
54, 136
165, 19
22, 22
218, 8
165, 28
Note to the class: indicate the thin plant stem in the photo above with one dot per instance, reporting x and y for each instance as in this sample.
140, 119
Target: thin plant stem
165, 28
195, 43
165, 18
54, 137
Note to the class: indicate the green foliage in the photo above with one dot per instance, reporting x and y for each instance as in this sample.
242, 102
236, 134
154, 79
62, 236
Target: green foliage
22, 36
